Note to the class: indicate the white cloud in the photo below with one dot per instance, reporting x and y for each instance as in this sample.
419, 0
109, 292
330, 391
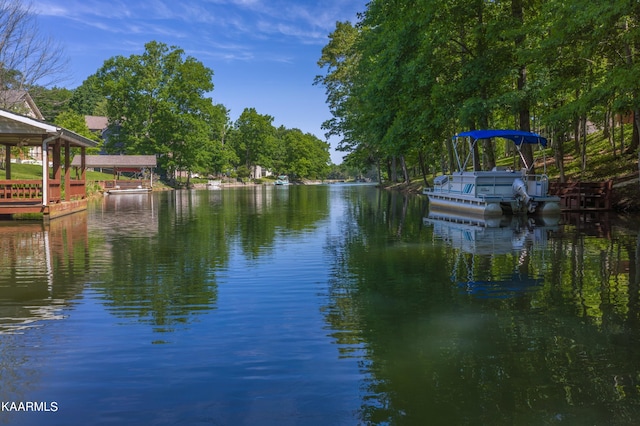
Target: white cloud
73, 9
307, 22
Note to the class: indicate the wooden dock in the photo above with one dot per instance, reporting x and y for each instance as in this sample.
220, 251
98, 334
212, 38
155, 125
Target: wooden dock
19, 197
583, 196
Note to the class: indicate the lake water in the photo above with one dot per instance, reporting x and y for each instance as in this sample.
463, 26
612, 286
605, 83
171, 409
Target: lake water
319, 305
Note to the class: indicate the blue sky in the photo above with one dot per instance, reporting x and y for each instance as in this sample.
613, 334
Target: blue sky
263, 53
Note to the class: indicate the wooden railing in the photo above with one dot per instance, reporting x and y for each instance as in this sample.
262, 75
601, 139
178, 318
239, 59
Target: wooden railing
30, 191
20, 191
77, 190
55, 191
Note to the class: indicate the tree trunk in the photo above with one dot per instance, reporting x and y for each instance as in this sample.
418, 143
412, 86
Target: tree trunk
488, 147
611, 125
583, 147
451, 156
476, 157
423, 169
634, 141
405, 172
635, 135
524, 115
576, 134
394, 169
559, 156
621, 135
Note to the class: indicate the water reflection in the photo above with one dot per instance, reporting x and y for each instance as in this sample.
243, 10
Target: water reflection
493, 255
515, 323
42, 268
130, 214
160, 255
152, 266
338, 305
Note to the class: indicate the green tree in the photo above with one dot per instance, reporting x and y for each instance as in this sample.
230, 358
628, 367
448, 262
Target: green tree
339, 58
222, 156
76, 123
410, 73
156, 101
87, 99
306, 156
51, 102
254, 139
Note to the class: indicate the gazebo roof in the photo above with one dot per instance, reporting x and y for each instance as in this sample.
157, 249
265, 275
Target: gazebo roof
108, 161
16, 129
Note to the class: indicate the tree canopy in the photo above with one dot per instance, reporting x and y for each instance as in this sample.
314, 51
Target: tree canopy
158, 103
409, 74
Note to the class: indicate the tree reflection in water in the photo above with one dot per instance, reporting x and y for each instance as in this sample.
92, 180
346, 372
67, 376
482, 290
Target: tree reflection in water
516, 325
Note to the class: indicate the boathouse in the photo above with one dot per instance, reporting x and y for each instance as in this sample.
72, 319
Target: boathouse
54, 194
141, 165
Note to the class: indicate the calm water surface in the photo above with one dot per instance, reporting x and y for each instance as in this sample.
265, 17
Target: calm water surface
326, 305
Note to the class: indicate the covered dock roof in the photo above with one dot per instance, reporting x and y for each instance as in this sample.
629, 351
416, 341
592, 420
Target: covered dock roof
117, 161
19, 130
54, 195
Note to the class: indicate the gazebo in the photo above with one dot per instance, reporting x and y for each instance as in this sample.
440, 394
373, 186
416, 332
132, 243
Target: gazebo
53, 195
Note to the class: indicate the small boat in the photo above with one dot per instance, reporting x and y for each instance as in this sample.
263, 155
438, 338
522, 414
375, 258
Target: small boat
138, 190
494, 192
282, 180
214, 184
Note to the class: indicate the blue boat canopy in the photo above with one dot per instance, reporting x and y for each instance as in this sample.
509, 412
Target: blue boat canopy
517, 136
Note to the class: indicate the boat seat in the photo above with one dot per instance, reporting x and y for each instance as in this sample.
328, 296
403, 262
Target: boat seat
440, 180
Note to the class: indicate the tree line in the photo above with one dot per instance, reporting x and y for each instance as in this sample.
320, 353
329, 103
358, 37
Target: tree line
156, 103
410, 73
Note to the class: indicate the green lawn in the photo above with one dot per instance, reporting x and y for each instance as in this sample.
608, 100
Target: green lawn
33, 171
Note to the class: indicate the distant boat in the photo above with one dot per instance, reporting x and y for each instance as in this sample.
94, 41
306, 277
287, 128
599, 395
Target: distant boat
282, 180
214, 184
494, 192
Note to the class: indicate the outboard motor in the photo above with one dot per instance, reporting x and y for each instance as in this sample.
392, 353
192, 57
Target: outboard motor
520, 188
